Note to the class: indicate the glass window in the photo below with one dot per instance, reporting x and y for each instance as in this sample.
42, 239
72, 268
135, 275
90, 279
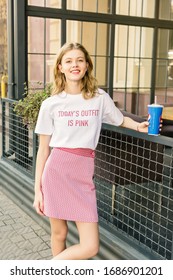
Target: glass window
132, 66
121, 37
35, 35
140, 8
146, 42
101, 70
99, 6
94, 36
45, 3
103, 6
43, 44
122, 7
164, 69
120, 72
53, 3
166, 9
133, 47
132, 73
50, 62
74, 31
165, 43
145, 73
53, 31
161, 78
35, 69
133, 41
39, 3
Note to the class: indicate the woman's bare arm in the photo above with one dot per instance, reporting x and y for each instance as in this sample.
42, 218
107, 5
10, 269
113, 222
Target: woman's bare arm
42, 155
129, 123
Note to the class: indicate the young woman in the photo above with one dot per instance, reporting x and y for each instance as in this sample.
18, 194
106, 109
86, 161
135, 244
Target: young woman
69, 125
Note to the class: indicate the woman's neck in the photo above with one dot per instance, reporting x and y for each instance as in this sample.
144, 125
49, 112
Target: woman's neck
73, 88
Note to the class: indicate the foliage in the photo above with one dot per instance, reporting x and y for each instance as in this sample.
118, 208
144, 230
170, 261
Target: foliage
28, 107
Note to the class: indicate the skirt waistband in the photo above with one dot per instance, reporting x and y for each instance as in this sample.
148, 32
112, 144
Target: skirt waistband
79, 151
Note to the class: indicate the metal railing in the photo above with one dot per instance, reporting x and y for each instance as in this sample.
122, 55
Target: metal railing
134, 180
133, 177
19, 143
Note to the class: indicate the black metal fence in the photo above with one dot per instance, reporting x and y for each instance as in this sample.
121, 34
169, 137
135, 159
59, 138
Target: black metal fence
19, 144
133, 177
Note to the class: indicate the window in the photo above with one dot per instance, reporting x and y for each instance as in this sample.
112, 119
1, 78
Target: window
133, 60
43, 44
94, 36
45, 3
132, 67
166, 9
164, 70
99, 6
138, 8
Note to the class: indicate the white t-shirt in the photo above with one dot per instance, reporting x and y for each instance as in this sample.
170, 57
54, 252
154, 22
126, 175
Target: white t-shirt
75, 122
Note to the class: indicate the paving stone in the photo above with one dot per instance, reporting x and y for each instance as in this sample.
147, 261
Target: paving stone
30, 235
22, 252
40, 232
30, 256
4, 217
17, 238
36, 240
46, 253
2, 223
46, 238
17, 226
10, 247
21, 238
36, 227
8, 256
9, 222
25, 244
6, 228
40, 247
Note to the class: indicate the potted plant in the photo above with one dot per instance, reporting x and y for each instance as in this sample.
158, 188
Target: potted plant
28, 107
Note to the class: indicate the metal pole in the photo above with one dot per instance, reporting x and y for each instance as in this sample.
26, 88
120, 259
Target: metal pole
19, 11
63, 24
10, 46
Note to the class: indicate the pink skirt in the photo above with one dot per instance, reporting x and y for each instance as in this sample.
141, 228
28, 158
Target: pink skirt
67, 185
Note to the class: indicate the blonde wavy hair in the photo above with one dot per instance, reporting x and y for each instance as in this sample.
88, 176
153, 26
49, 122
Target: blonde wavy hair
89, 83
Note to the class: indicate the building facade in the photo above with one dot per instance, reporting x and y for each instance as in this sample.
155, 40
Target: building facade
130, 42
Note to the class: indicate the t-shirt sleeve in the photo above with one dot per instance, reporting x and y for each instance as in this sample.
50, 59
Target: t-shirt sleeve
111, 114
44, 123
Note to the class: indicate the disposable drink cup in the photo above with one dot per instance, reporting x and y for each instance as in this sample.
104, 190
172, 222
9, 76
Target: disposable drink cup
154, 116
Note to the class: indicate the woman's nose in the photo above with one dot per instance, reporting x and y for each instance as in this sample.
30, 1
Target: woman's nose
74, 63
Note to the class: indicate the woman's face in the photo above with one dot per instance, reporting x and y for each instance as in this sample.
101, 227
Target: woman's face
73, 65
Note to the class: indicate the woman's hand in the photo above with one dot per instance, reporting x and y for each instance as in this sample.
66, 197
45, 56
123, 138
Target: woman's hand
143, 127
38, 203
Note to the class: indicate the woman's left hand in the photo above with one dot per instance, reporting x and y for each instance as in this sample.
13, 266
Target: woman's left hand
143, 127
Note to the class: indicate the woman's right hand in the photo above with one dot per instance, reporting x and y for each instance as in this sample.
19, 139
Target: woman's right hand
38, 203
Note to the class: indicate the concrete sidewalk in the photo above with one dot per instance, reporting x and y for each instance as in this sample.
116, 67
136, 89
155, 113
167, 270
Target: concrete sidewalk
21, 238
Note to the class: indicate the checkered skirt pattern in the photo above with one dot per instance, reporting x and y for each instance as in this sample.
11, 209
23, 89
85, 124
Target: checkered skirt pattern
67, 185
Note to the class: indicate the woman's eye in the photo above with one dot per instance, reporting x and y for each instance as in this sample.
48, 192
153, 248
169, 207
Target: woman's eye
68, 61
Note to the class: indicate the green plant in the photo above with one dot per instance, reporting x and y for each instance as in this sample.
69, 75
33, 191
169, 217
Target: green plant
28, 107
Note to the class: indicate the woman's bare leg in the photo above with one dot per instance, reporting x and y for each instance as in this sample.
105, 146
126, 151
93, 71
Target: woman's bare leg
88, 243
59, 232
